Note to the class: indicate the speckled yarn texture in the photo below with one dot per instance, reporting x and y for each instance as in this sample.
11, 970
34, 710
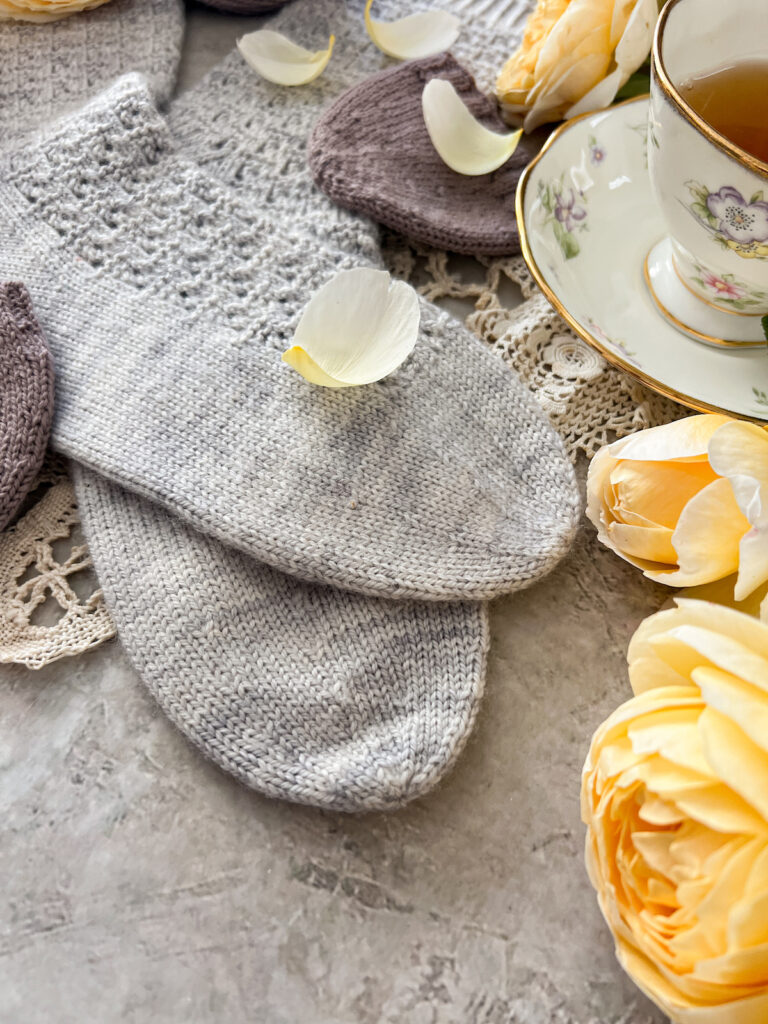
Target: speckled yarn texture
413, 487
26, 398
303, 692
47, 70
370, 152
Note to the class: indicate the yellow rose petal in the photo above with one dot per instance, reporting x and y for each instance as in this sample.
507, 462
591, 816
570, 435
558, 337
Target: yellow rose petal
739, 762
659, 491
739, 452
675, 798
632, 48
706, 539
682, 439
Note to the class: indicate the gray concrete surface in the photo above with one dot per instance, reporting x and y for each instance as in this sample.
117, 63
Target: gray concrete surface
141, 885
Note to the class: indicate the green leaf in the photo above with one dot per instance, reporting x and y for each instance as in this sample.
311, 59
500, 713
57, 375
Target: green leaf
757, 197
567, 242
764, 323
636, 85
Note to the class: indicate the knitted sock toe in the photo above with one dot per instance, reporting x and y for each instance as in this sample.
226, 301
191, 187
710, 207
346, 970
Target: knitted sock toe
26, 398
49, 69
245, 6
370, 152
305, 693
444, 481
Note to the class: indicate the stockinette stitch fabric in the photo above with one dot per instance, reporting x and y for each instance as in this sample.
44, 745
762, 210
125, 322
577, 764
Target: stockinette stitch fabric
47, 70
413, 487
370, 151
26, 398
245, 6
305, 693
253, 134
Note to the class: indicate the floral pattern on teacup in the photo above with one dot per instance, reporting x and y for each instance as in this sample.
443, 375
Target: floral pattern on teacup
565, 209
727, 290
735, 223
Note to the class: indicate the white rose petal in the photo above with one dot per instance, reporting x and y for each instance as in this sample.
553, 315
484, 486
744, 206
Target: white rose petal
359, 327
418, 35
464, 144
279, 60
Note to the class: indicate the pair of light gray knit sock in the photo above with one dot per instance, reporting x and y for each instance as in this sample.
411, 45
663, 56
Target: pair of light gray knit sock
167, 300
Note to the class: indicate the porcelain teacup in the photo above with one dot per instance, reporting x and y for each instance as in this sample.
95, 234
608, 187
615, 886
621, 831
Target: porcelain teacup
709, 275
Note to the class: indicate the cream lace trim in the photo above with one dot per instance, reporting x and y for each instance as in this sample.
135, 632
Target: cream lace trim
42, 617
588, 401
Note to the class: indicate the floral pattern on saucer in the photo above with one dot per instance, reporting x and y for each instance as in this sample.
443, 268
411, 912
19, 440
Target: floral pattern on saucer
597, 153
599, 293
735, 223
619, 346
727, 290
565, 209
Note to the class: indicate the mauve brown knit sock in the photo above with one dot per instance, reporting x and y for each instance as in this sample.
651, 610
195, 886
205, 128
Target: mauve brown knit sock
370, 152
26, 398
246, 6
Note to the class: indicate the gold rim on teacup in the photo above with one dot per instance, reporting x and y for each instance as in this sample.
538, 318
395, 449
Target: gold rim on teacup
670, 91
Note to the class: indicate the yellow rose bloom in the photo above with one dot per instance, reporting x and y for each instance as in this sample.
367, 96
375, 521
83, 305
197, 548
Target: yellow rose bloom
574, 57
43, 10
686, 502
675, 799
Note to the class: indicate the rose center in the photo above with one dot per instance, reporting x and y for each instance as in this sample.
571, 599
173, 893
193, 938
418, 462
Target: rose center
738, 217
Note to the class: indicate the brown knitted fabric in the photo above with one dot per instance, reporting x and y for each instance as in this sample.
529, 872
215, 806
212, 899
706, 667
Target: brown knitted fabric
370, 152
26, 398
245, 6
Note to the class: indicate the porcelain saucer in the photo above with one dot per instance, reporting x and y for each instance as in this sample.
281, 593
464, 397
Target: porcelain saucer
587, 222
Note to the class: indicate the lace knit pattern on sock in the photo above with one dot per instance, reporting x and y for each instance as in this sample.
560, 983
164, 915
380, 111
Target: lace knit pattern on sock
47, 70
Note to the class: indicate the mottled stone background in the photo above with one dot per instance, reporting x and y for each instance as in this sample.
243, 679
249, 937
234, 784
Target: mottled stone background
141, 885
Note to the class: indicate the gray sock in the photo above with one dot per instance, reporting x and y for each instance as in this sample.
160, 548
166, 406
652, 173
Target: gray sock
26, 398
49, 69
303, 692
444, 481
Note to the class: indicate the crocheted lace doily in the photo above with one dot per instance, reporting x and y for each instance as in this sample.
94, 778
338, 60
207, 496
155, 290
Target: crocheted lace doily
589, 402
50, 606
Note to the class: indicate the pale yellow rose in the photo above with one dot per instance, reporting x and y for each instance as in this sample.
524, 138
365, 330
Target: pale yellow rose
686, 502
675, 799
574, 57
44, 10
